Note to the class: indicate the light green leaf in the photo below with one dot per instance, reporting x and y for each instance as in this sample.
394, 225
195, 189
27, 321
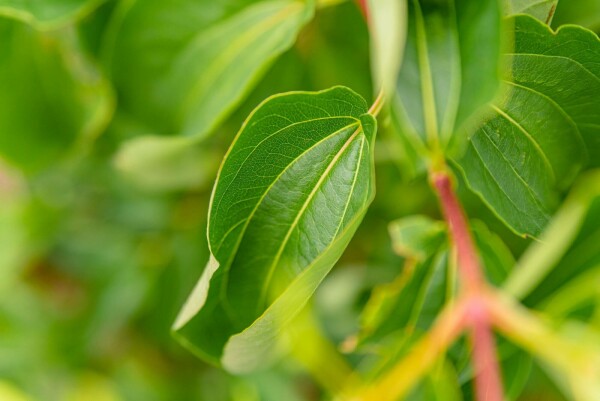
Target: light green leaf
158, 165
291, 191
54, 101
47, 14
387, 26
540, 9
571, 351
181, 67
447, 74
582, 12
417, 236
531, 145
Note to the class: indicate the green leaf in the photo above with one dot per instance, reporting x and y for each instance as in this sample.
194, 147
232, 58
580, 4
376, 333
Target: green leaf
447, 74
534, 142
54, 101
540, 9
154, 164
387, 26
290, 193
417, 236
47, 14
412, 302
567, 248
181, 67
583, 12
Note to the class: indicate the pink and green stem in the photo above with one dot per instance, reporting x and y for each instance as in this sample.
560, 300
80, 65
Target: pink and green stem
488, 384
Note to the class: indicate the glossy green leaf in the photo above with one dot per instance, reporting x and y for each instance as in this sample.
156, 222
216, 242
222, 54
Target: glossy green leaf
291, 191
181, 67
446, 75
46, 14
541, 129
540, 9
54, 101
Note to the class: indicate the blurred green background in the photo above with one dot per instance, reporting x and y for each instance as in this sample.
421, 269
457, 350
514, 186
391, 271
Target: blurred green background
99, 249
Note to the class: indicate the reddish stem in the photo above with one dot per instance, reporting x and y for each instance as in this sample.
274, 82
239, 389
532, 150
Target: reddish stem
364, 7
488, 385
468, 262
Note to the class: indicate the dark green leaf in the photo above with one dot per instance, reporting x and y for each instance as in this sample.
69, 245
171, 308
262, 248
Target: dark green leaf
291, 191
535, 140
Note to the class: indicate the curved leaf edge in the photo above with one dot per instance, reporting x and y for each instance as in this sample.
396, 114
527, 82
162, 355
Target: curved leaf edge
236, 343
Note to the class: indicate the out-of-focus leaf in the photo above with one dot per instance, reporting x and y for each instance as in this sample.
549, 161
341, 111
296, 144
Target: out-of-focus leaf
582, 12
580, 292
450, 69
531, 146
158, 165
8, 392
53, 103
417, 236
440, 384
186, 77
412, 302
540, 9
577, 220
579, 256
277, 228
93, 387
46, 14
387, 25
13, 233
572, 351
181, 67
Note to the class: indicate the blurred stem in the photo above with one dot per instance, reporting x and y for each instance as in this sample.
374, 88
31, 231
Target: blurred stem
377, 104
364, 7
488, 384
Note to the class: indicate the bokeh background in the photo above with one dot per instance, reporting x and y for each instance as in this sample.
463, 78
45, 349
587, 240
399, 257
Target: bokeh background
97, 254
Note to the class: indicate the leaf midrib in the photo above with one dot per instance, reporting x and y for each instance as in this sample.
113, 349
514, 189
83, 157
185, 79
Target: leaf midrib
569, 59
279, 131
530, 137
324, 175
223, 292
502, 189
